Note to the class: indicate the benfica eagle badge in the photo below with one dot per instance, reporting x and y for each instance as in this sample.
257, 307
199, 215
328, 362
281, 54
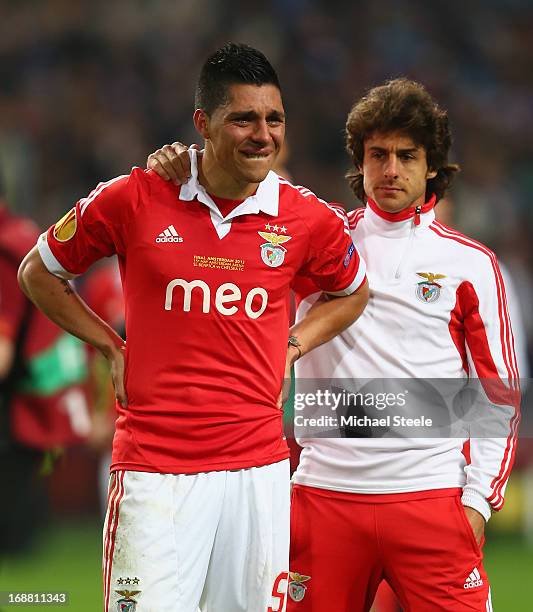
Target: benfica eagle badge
428, 290
297, 588
272, 253
127, 604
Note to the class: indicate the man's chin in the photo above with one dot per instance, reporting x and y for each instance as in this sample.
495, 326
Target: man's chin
391, 204
256, 176
255, 170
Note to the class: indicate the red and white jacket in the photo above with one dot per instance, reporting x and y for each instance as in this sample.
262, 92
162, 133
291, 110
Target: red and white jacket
464, 332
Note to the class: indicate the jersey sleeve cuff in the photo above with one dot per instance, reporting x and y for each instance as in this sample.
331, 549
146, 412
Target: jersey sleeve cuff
475, 500
357, 282
49, 259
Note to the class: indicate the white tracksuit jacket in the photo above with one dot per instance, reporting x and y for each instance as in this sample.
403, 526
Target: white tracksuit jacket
403, 333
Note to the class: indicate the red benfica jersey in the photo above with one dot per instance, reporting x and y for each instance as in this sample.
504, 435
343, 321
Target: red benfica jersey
207, 310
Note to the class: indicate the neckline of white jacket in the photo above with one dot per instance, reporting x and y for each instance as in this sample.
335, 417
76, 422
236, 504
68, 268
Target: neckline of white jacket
395, 226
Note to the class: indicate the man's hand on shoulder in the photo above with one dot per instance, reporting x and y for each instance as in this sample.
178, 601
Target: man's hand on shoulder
171, 162
477, 522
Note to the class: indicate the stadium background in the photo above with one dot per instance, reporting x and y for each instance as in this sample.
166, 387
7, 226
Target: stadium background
87, 89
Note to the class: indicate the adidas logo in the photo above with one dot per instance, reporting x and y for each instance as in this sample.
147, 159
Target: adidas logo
474, 580
169, 235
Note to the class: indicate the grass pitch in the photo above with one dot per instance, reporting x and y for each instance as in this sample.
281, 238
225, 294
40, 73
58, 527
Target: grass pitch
68, 557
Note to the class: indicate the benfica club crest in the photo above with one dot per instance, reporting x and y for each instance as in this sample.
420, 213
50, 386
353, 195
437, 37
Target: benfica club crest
272, 253
127, 604
429, 291
297, 588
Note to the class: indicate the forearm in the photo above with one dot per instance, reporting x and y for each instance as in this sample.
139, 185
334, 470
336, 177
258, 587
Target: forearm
328, 317
59, 302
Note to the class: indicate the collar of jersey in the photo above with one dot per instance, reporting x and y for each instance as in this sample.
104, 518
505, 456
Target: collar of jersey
265, 199
399, 224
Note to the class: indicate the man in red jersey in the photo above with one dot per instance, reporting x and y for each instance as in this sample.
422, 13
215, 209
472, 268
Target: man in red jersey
199, 492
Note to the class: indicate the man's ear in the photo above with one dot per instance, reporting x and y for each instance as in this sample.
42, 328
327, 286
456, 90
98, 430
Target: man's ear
201, 123
431, 174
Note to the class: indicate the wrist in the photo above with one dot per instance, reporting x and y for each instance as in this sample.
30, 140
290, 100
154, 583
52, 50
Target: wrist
292, 355
111, 345
294, 349
473, 499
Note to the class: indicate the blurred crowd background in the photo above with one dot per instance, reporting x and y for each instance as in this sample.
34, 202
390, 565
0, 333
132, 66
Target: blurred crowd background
89, 88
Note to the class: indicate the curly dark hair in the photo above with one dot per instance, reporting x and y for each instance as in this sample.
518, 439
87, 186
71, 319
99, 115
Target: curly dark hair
403, 106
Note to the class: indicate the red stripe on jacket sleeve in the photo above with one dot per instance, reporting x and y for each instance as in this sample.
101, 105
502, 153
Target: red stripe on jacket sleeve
497, 391
476, 338
456, 328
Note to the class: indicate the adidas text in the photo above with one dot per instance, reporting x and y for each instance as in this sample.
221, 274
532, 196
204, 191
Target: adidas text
473, 584
169, 239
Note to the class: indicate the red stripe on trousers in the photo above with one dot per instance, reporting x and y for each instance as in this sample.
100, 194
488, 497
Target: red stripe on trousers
112, 538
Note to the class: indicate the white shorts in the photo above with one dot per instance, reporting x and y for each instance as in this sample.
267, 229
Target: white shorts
217, 541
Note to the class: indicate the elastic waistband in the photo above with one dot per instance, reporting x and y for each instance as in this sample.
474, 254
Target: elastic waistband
380, 498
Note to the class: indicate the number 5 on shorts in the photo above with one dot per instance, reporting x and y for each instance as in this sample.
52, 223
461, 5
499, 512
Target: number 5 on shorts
279, 593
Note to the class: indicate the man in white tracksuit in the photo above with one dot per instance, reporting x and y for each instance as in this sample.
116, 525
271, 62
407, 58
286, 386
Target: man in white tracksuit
410, 510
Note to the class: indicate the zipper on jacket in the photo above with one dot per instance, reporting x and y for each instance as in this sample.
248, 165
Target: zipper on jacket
417, 215
409, 242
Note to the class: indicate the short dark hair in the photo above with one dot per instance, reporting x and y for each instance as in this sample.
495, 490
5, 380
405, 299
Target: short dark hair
402, 106
230, 65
